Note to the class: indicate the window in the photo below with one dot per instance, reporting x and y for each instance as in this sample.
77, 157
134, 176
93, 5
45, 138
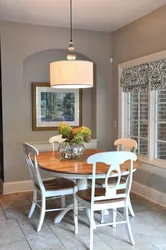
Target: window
142, 106
137, 120
160, 140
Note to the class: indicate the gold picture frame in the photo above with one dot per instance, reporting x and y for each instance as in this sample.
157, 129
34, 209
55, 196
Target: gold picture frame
51, 106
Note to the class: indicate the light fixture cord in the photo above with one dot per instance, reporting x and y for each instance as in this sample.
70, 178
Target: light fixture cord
71, 34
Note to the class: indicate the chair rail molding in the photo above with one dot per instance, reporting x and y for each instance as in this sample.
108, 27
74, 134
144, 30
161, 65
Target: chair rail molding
46, 146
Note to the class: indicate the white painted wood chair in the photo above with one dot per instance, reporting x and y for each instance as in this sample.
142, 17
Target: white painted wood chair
126, 144
123, 144
108, 197
56, 139
53, 188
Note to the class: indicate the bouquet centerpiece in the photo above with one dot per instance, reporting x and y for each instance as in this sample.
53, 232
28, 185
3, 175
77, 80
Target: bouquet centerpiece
74, 135
73, 146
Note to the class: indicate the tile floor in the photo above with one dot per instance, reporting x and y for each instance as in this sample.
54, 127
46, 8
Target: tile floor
18, 233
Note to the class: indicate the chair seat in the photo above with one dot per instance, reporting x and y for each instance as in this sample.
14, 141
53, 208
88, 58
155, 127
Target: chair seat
86, 195
57, 184
111, 181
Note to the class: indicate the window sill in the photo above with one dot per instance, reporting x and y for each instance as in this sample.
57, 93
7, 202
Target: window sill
155, 166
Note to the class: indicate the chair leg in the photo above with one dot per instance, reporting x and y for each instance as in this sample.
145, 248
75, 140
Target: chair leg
102, 215
114, 217
63, 201
91, 229
128, 227
42, 213
33, 203
131, 209
75, 214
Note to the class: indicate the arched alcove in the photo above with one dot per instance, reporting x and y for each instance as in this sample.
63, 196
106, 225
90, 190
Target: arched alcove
26, 53
36, 69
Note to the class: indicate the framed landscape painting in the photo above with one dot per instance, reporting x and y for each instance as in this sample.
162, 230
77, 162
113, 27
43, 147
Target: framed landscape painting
51, 106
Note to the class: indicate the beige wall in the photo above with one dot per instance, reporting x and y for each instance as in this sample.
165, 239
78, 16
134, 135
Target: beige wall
36, 69
142, 37
21, 66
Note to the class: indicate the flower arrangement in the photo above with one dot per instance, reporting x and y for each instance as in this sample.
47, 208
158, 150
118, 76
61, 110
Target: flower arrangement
74, 135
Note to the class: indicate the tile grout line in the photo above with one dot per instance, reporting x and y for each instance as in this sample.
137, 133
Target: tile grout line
11, 242
18, 225
105, 241
21, 228
77, 247
150, 222
3, 210
23, 234
47, 225
143, 236
136, 234
149, 242
54, 233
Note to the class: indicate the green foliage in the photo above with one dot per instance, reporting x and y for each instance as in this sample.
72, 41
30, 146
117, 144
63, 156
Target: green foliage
64, 129
78, 139
74, 135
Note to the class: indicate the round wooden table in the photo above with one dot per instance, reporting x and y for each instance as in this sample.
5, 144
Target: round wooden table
76, 169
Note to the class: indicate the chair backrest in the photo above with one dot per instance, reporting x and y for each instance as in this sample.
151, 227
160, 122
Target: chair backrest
56, 139
113, 160
31, 151
126, 144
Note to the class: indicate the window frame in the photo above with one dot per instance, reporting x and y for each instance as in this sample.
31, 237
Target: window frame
157, 121
129, 119
122, 110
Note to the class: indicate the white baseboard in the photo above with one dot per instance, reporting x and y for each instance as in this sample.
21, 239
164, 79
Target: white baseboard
17, 187
149, 193
137, 188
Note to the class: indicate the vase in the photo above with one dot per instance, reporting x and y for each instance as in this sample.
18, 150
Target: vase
70, 151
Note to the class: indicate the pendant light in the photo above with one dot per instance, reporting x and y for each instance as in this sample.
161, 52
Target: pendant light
71, 73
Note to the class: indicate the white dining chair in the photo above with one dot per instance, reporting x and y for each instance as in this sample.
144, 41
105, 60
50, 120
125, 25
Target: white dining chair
122, 144
108, 197
126, 144
56, 139
53, 188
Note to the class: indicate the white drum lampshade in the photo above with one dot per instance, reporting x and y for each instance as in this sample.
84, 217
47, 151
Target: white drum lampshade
71, 74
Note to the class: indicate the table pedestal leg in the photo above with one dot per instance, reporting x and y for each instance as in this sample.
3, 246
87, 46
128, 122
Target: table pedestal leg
81, 184
60, 215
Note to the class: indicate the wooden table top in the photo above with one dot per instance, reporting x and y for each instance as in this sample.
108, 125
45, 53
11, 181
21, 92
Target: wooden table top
52, 162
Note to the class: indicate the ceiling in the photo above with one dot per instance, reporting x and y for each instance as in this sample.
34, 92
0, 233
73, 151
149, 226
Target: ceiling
98, 15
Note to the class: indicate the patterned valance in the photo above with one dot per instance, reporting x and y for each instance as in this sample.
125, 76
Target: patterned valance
135, 79
138, 78
157, 75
